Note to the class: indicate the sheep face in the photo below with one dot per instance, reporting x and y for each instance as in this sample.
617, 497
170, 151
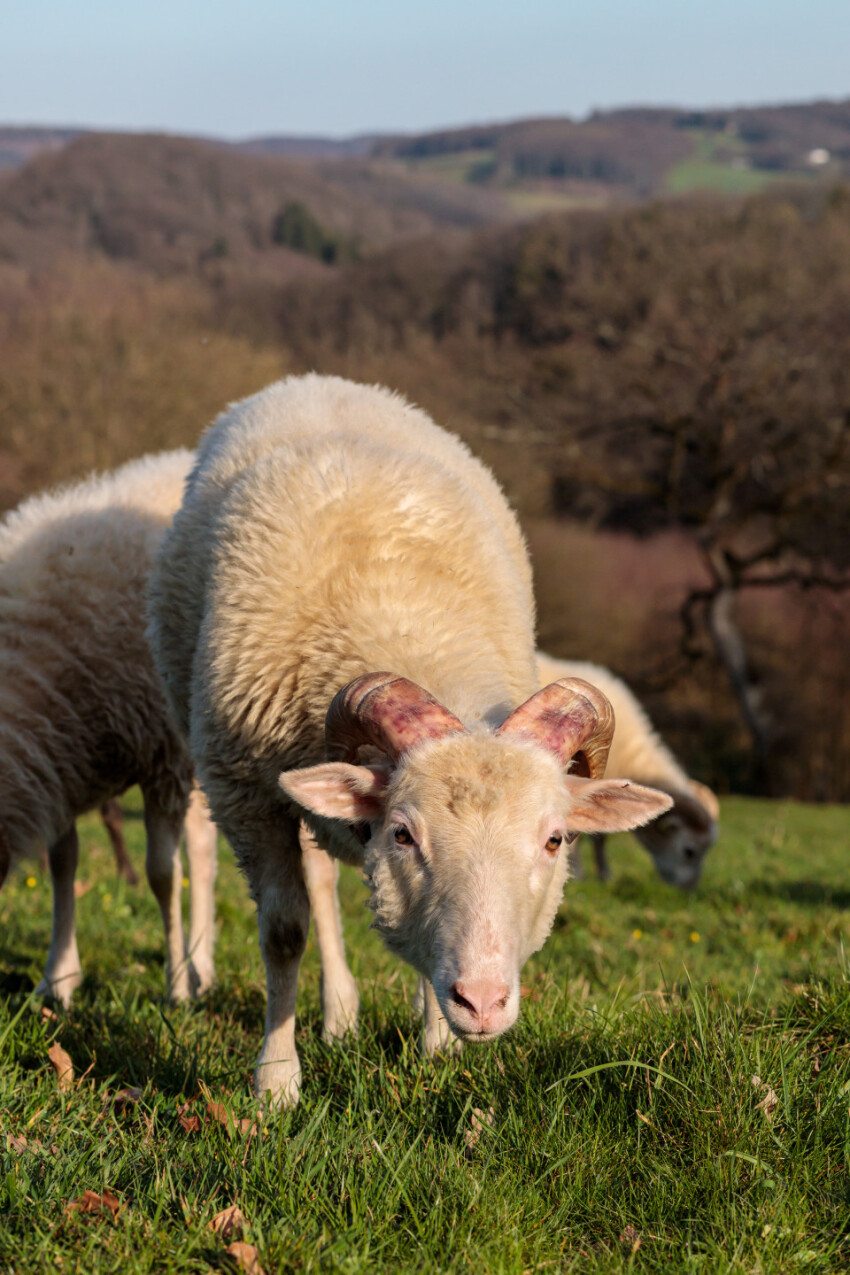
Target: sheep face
467, 856
679, 840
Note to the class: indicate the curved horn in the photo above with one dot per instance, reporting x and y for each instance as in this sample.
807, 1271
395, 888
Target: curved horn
571, 718
386, 711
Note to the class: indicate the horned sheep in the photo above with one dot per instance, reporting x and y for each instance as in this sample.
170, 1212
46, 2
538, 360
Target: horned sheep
82, 712
330, 532
679, 839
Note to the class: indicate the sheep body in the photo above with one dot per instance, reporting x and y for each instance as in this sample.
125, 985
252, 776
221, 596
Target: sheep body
82, 712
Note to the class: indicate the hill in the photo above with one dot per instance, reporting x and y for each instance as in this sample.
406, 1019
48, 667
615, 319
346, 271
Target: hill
170, 203
640, 151
19, 145
522, 167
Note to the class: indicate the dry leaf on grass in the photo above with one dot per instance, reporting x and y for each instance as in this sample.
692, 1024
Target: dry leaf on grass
228, 1222
190, 1122
63, 1065
218, 1112
125, 1100
47, 1015
768, 1103
630, 1236
18, 1145
480, 1121
246, 1257
92, 1202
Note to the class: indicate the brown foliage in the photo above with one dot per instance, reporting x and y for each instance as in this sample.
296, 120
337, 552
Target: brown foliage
660, 370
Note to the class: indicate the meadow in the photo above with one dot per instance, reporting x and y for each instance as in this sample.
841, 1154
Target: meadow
676, 1095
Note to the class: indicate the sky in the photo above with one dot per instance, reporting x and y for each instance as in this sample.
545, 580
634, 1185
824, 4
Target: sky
342, 67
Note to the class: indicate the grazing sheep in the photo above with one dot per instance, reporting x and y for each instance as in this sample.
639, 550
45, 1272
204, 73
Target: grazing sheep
82, 713
330, 531
680, 838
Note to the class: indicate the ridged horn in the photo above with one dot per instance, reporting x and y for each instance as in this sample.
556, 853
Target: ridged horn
386, 711
572, 719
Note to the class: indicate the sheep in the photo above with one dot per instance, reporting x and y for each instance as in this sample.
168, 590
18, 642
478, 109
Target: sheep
679, 840
82, 713
329, 532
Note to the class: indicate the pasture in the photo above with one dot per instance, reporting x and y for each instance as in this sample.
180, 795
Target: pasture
675, 1097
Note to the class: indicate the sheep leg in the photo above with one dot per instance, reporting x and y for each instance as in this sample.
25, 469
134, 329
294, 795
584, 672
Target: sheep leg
340, 999
62, 974
437, 1037
201, 847
603, 872
113, 822
283, 915
576, 870
165, 876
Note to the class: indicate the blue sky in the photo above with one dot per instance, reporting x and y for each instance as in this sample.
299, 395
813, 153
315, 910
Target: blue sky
326, 66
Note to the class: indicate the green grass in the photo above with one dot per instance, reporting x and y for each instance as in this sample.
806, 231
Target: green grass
455, 166
623, 1104
705, 170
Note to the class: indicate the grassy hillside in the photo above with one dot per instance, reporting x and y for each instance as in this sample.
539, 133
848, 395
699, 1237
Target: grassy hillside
674, 1098
635, 152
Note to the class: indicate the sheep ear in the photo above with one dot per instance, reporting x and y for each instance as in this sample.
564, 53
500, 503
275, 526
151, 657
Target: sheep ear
336, 790
612, 805
706, 798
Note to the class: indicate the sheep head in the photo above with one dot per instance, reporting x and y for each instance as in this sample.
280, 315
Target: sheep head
466, 850
681, 837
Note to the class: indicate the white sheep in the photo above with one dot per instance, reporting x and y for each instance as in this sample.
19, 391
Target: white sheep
82, 712
330, 531
680, 838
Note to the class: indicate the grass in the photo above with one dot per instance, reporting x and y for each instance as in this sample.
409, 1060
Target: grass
704, 170
627, 1132
455, 166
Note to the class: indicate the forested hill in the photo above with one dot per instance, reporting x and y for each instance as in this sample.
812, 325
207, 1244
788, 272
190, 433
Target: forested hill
557, 162
171, 203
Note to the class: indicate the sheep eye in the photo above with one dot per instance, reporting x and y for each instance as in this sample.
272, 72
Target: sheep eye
554, 843
402, 835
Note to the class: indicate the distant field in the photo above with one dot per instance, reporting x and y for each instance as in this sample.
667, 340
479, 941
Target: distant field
705, 170
457, 166
628, 1133
533, 201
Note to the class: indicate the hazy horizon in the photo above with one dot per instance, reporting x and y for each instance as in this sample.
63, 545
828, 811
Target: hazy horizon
443, 125
338, 71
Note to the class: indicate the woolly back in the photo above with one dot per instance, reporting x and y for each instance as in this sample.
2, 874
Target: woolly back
317, 481
152, 483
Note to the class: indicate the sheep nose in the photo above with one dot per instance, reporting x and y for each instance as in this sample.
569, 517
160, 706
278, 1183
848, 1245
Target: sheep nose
482, 1000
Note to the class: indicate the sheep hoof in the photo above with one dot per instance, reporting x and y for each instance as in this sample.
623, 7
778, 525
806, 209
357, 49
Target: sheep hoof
179, 989
441, 1041
59, 987
201, 979
278, 1082
339, 1012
